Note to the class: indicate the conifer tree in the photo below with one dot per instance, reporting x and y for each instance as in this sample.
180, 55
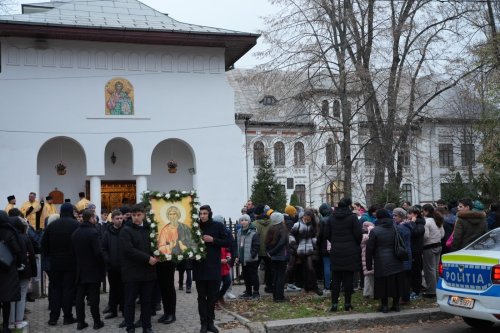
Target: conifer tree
266, 189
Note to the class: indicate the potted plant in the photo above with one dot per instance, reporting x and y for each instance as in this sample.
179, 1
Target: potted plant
172, 166
60, 169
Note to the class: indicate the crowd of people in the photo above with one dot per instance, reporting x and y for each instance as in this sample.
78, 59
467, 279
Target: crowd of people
329, 250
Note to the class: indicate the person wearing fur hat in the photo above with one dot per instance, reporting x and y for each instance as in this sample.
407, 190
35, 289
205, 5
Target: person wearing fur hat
57, 246
11, 199
470, 225
277, 250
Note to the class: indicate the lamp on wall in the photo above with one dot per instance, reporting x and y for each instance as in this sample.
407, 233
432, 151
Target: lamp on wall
192, 171
113, 158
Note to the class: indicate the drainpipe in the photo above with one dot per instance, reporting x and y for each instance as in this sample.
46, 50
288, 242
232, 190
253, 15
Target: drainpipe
246, 154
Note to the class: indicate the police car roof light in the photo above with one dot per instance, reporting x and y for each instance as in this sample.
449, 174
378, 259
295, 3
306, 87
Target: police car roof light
495, 274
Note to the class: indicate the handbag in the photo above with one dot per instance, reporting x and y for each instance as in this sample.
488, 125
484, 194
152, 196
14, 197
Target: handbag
399, 246
6, 257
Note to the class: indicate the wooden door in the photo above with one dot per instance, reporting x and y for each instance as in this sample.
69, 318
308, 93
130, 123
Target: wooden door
116, 193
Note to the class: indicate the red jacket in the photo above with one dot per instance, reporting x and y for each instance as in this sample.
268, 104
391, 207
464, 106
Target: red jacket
224, 268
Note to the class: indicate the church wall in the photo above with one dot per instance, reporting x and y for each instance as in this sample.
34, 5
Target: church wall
179, 92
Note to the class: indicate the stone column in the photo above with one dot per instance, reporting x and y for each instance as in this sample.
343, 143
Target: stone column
141, 185
95, 193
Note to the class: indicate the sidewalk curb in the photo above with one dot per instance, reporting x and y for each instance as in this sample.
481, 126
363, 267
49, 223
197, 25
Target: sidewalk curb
349, 321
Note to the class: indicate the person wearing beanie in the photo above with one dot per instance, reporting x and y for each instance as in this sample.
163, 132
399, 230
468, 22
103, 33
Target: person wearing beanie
290, 216
48, 209
30, 208
262, 225
57, 246
248, 250
343, 231
11, 203
388, 269
277, 250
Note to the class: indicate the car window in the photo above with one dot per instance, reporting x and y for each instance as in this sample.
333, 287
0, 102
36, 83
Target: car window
489, 241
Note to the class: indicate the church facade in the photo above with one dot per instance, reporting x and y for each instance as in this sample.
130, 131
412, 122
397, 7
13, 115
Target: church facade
113, 98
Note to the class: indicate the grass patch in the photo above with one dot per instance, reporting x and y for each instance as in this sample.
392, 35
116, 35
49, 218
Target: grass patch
303, 305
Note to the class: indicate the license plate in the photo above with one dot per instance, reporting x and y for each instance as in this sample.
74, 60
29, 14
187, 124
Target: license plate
461, 302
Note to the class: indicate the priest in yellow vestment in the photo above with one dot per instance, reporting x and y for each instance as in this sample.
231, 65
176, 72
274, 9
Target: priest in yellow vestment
48, 209
83, 203
30, 208
12, 203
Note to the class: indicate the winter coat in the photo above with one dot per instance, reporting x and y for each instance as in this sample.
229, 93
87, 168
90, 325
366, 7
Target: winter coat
30, 269
135, 248
110, 245
491, 220
305, 237
90, 267
344, 233
10, 290
325, 210
405, 230
417, 236
262, 226
277, 242
470, 225
57, 245
248, 241
433, 234
208, 269
364, 240
380, 250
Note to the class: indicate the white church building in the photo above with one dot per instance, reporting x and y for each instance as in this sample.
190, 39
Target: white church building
99, 96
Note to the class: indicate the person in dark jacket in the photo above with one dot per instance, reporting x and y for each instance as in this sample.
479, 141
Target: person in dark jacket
277, 250
471, 224
206, 272
405, 228
344, 233
27, 270
90, 269
248, 241
9, 278
324, 245
417, 248
388, 269
112, 257
138, 268
57, 246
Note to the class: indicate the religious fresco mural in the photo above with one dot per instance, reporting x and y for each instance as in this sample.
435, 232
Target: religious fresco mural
119, 97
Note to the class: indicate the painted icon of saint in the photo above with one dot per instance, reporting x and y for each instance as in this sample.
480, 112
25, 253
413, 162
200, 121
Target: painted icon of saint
175, 236
119, 101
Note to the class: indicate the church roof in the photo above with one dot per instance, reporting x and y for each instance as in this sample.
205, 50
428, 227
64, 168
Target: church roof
119, 21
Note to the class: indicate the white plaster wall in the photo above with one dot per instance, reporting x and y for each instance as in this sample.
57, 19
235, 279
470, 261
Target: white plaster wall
180, 92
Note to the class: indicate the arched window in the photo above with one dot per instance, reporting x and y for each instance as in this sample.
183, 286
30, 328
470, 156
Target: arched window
279, 154
335, 192
325, 108
299, 154
336, 109
258, 153
330, 152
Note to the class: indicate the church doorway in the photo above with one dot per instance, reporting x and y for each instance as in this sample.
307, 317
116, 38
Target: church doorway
116, 193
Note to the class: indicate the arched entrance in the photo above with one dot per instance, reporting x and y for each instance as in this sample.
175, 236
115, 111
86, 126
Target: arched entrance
118, 185
335, 192
69, 153
180, 153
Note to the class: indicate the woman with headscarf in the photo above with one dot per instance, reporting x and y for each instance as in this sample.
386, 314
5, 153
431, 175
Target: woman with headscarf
10, 290
344, 233
388, 269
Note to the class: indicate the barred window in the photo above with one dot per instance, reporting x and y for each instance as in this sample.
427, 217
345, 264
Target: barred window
406, 192
300, 191
446, 154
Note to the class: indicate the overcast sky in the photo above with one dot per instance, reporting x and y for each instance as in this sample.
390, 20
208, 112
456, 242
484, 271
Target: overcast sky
240, 15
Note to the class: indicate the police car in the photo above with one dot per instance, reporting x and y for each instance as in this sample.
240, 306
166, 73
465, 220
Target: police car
469, 283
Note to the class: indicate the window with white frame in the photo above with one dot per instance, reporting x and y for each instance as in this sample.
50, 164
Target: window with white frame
330, 152
406, 193
299, 156
258, 153
468, 154
445, 154
279, 154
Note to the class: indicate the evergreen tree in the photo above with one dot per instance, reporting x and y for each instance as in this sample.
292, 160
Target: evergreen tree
294, 199
266, 189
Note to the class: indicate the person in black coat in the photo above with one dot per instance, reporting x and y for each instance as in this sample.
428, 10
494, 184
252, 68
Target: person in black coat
344, 233
138, 268
417, 248
388, 269
323, 245
112, 257
207, 272
9, 279
90, 269
57, 246
277, 250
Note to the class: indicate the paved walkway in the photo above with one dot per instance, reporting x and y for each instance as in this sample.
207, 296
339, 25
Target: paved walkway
187, 317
